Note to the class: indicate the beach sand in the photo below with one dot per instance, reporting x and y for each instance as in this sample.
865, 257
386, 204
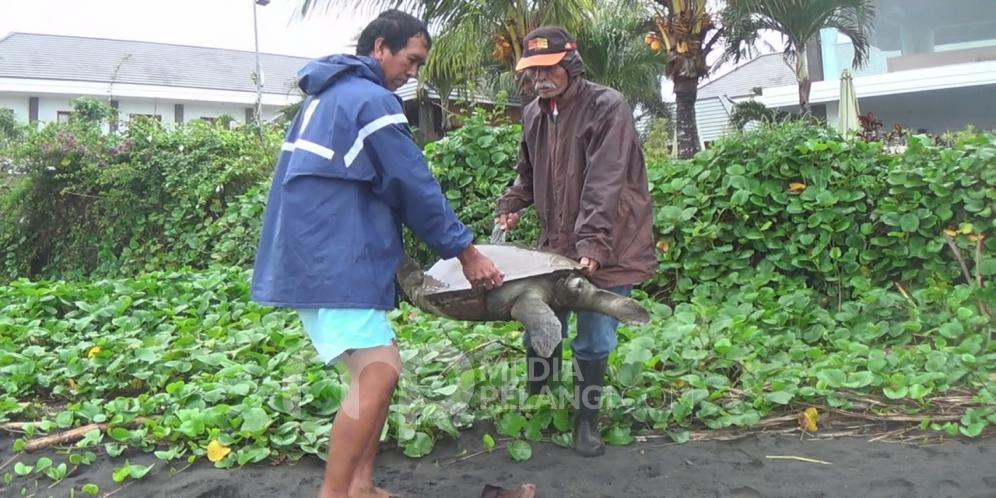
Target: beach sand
857, 467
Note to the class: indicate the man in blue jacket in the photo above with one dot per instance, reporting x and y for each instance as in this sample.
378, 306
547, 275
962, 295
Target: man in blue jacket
348, 176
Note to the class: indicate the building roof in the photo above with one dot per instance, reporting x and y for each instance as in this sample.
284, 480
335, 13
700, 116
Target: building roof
72, 58
764, 71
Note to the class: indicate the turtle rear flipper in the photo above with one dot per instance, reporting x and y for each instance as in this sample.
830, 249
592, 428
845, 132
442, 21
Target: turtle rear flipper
578, 293
541, 323
622, 308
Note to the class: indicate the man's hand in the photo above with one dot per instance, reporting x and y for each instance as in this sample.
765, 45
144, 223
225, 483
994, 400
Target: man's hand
590, 265
479, 270
507, 221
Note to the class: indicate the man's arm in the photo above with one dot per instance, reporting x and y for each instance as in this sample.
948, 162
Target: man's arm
609, 153
405, 183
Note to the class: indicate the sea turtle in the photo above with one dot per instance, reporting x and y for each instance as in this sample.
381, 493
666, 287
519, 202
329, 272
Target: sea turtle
537, 284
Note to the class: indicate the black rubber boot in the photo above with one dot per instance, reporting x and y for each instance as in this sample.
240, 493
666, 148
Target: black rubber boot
588, 375
540, 370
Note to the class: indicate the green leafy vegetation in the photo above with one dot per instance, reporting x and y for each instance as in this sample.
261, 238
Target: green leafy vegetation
798, 270
93, 203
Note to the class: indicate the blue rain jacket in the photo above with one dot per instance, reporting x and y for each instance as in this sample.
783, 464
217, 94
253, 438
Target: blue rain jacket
349, 174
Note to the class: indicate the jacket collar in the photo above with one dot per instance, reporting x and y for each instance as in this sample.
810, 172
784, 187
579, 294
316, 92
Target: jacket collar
565, 99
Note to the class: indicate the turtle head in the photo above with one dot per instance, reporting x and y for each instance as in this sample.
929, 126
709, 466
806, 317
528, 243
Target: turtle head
416, 284
409, 276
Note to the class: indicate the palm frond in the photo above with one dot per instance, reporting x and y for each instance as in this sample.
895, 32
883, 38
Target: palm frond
615, 55
799, 21
855, 24
308, 8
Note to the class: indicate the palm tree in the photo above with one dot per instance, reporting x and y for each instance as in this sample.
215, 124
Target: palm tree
687, 32
469, 32
799, 21
479, 43
615, 56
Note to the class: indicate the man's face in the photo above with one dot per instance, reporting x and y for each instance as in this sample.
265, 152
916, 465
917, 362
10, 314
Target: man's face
399, 67
548, 81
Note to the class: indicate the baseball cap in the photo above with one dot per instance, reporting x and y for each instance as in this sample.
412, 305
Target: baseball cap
545, 46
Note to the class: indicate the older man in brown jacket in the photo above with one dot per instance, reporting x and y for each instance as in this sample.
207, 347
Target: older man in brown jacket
581, 166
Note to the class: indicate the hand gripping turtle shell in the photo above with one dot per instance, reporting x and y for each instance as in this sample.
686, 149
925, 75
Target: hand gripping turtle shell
537, 285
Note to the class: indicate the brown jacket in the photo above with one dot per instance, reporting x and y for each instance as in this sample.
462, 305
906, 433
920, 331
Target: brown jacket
585, 174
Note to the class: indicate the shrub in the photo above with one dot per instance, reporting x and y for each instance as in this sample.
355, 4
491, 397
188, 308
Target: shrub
146, 199
796, 203
475, 164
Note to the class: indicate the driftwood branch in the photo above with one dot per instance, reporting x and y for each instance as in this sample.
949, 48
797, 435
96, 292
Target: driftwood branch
16, 426
70, 435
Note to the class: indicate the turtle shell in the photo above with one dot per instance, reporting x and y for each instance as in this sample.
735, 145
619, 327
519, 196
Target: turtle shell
514, 261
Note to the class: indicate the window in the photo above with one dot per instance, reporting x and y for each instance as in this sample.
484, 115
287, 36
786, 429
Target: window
62, 117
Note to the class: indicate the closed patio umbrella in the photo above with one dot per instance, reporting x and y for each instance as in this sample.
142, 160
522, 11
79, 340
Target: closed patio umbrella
848, 105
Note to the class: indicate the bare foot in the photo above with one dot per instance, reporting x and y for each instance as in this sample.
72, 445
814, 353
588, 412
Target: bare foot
523, 491
371, 492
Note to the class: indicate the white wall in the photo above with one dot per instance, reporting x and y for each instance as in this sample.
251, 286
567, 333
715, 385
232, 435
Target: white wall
833, 112
19, 104
50, 105
197, 110
712, 116
937, 111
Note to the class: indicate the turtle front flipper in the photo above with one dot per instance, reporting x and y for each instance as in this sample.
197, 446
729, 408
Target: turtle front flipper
541, 323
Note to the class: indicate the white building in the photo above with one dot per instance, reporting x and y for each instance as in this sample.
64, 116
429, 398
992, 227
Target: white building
715, 100
40, 75
932, 67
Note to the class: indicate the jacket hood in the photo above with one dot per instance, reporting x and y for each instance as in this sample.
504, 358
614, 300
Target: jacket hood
319, 74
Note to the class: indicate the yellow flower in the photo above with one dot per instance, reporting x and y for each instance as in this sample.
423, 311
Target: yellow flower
808, 419
216, 451
950, 232
796, 187
93, 352
663, 245
975, 237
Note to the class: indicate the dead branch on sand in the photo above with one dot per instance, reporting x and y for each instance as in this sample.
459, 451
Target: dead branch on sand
71, 435
797, 458
19, 427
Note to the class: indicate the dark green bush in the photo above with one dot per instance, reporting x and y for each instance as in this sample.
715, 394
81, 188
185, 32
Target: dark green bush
797, 203
475, 165
145, 199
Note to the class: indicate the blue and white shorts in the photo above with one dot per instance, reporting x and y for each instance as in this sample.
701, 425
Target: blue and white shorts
335, 331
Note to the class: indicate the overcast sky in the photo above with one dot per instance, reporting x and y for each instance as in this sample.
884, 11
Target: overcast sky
208, 23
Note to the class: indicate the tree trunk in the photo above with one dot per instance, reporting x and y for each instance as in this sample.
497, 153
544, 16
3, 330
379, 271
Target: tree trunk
686, 92
802, 76
804, 86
